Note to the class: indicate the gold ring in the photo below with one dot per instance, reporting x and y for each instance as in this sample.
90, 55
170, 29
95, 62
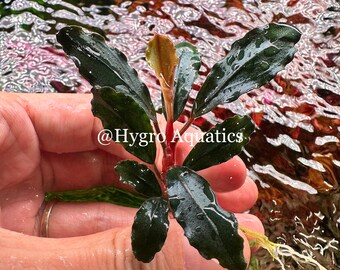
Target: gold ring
44, 224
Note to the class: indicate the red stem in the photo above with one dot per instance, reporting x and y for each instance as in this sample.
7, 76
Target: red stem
160, 181
170, 147
187, 125
158, 131
169, 158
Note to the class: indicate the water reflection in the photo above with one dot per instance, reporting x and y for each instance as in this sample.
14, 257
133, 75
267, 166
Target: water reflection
294, 155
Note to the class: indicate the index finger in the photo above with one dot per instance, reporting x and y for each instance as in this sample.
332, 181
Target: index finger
64, 123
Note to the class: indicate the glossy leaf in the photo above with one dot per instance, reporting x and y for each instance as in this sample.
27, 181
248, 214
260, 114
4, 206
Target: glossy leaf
252, 61
150, 229
104, 66
118, 115
161, 56
220, 143
208, 227
185, 75
140, 177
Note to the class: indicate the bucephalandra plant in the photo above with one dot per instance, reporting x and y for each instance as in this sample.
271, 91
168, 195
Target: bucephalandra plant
122, 102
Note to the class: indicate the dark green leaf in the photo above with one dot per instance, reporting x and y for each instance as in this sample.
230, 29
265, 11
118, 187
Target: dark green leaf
209, 228
150, 229
220, 143
140, 177
104, 66
252, 61
118, 114
185, 75
108, 194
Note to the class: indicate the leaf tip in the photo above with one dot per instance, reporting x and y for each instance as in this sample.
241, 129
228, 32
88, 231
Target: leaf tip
160, 46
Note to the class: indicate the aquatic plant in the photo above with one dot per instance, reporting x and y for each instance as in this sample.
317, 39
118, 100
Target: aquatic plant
122, 102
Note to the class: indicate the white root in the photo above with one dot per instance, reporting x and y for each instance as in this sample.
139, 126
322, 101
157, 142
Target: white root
287, 251
280, 250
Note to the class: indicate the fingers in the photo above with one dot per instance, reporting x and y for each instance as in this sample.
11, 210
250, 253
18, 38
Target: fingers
227, 176
224, 177
90, 218
91, 168
64, 123
106, 250
78, 219
71, 171
110, 249
241, 199
250, 222
94, 168
19, 153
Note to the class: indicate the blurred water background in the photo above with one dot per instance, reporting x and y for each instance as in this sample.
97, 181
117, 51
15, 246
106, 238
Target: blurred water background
293, 156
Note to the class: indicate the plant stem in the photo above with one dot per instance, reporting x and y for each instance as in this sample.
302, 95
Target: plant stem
169, 157
160, 180
187, 124
157, 172
171, 141
158, 132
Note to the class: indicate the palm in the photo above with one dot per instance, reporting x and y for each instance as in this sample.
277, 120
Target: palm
20, 170
34, 160
48, 143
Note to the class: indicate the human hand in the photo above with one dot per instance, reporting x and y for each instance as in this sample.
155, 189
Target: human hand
48, 142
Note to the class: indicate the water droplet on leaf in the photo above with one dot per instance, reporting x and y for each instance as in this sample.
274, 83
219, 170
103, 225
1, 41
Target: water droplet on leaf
236, 66
183, 174
200, 216
76, 61
264, 65
92, 51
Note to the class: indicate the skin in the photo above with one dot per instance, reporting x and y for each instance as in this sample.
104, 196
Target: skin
48, 142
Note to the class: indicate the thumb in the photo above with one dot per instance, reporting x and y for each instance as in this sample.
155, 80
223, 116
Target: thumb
112, 248
107, 250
